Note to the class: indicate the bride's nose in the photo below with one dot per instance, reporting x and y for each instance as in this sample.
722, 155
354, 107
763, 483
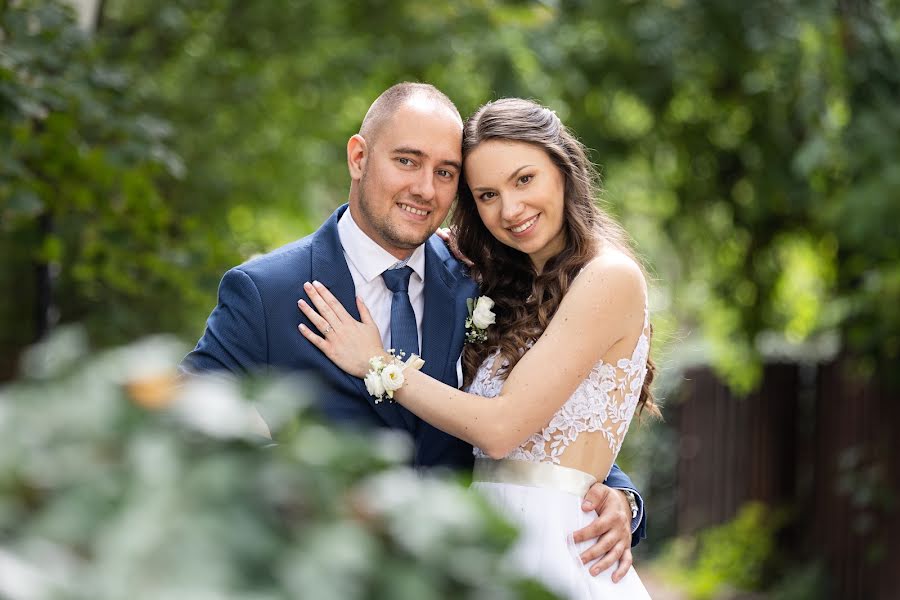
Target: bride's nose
511, 210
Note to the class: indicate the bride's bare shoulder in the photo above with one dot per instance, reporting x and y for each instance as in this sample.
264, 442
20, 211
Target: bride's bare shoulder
616, 271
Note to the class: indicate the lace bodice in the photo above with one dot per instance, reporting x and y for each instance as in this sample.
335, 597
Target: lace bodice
605, 402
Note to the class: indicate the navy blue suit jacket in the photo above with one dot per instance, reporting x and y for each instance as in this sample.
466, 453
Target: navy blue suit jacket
254, 327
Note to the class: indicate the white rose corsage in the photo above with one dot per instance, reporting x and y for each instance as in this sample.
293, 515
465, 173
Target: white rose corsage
385, 378
480, 318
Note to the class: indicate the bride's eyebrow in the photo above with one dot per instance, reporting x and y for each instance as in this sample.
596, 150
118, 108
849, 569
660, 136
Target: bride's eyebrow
510, 178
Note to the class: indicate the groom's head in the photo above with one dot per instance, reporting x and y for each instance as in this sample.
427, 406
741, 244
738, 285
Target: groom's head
405, 165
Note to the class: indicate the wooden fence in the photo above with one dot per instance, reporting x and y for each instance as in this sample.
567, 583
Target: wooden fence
820, 441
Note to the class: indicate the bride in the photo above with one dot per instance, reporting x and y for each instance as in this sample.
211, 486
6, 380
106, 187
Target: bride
556, 367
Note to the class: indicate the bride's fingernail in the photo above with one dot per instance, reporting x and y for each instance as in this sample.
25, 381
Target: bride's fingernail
317, 284
586, 506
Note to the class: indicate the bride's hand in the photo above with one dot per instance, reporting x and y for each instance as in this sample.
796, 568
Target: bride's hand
347, 342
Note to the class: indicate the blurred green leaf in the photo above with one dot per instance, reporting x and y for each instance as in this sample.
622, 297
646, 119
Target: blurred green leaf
116, 481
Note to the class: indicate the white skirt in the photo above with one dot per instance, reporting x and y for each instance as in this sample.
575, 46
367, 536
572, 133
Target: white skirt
544, 500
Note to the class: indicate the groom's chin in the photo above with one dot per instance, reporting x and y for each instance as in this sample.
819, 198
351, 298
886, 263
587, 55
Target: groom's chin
412, 240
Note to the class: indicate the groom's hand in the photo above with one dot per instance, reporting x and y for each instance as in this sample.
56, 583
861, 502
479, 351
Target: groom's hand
611, 529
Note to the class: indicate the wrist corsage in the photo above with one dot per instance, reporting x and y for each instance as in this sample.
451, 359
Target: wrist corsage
386, 377
480, 318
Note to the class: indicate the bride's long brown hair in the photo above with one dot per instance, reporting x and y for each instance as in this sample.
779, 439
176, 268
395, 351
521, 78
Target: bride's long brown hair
527, 300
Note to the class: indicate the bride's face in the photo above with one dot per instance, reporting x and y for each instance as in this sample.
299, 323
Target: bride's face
519, 194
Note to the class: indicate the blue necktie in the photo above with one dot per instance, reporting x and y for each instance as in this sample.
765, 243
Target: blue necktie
404, 333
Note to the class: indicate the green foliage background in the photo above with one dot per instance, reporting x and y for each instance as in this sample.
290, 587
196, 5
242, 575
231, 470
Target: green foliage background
751, 149
747, 147
143, 490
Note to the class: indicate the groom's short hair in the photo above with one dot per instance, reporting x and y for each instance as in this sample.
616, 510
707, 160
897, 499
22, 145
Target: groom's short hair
392, 99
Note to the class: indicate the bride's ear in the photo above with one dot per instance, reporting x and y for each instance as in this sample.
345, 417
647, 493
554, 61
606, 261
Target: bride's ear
357, 155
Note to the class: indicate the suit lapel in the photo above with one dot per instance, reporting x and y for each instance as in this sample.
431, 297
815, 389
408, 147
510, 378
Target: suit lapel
439, 318
330, 268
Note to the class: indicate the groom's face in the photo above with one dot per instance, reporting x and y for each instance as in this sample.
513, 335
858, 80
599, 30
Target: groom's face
410, 176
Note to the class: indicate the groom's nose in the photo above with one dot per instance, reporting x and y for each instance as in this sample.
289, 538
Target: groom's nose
423, 185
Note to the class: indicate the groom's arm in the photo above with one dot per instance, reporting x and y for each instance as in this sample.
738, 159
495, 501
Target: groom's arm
235, 336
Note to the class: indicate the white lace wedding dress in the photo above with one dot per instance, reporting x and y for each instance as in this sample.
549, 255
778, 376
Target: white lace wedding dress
544, 498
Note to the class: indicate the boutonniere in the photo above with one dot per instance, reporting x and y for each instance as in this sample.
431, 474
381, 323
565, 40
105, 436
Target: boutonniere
480, 318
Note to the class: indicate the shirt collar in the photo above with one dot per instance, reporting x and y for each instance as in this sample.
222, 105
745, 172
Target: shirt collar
370, 259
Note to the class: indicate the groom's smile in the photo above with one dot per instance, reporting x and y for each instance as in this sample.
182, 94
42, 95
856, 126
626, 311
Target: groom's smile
419, 212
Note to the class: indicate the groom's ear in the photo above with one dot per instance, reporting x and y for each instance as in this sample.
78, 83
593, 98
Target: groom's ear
357, 155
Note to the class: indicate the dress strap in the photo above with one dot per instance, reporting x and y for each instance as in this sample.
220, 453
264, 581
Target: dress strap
533, 474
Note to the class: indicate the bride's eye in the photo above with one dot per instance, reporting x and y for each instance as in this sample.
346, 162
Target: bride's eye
486, 196
525, 179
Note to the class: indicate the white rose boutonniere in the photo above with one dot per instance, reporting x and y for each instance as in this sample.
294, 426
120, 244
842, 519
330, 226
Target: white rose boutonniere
480, 318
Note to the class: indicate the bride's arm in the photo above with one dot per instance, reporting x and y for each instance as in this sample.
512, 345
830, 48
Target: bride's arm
604, 305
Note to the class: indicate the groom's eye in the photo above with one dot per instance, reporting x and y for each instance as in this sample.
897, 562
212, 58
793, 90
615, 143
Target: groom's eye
405, 161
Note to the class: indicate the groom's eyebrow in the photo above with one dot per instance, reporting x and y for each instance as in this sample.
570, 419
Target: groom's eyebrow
419, 154
409, 150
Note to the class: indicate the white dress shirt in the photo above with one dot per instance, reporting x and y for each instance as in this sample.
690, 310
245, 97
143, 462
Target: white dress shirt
367, 261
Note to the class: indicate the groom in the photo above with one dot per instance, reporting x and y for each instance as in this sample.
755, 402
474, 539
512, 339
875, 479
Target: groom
405, 165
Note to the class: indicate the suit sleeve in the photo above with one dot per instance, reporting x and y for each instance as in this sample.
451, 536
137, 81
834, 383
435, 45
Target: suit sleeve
617, 479
235, 336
